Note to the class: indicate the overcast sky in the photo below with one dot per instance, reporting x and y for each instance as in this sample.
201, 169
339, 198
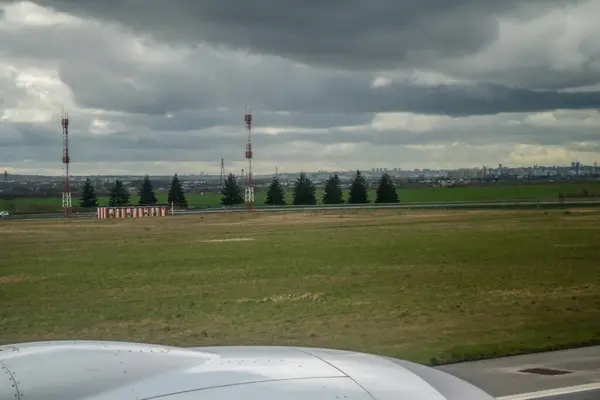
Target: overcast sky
155, 86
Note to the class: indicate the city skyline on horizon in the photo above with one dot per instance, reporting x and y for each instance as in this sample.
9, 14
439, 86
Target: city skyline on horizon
570, 165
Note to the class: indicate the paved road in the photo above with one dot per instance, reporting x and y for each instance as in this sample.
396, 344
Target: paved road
407, 206
503, 378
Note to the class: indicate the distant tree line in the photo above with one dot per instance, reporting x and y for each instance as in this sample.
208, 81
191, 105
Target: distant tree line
304, 191
232, 193
119, 195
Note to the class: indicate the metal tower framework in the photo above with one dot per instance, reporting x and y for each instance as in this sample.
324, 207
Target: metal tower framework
66, 159
222, 176
249, 192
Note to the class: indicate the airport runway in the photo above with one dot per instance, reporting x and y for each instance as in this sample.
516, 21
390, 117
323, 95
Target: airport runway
559, 375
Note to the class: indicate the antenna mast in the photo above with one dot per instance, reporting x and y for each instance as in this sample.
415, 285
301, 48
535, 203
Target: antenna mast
249, 192
222, 177
66, 159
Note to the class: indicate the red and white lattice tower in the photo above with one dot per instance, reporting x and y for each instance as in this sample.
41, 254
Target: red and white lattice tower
249, 191
66, 196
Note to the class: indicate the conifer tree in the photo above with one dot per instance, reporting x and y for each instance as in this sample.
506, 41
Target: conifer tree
386, 190
275, 194
358, 190
118, 195
88, 195
304, 191
176, 195
231, 192
147, 196
333, 191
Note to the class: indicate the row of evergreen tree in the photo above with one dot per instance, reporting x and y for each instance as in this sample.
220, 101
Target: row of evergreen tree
304, 192
119, 195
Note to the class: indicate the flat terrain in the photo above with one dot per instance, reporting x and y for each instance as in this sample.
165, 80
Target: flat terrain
407, 195
443, 285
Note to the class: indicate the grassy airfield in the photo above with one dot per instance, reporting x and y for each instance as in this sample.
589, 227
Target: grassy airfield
425, 286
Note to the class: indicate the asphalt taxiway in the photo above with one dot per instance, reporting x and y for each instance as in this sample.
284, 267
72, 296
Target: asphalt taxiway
559, 375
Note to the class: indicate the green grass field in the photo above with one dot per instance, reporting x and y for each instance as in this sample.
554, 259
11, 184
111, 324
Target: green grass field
413, 195
422, 286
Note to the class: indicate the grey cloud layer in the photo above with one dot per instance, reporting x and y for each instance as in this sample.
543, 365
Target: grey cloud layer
366, 34
308, 65
143, 144
104, 73
377, 34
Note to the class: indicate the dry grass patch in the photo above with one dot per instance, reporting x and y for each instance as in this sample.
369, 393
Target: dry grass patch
8, 279
227, 240
283, 298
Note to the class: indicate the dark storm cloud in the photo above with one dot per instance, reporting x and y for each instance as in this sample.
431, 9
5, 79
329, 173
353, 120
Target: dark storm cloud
454, 100
339, 93
337, 96
359, 34
349, 33
104, 73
